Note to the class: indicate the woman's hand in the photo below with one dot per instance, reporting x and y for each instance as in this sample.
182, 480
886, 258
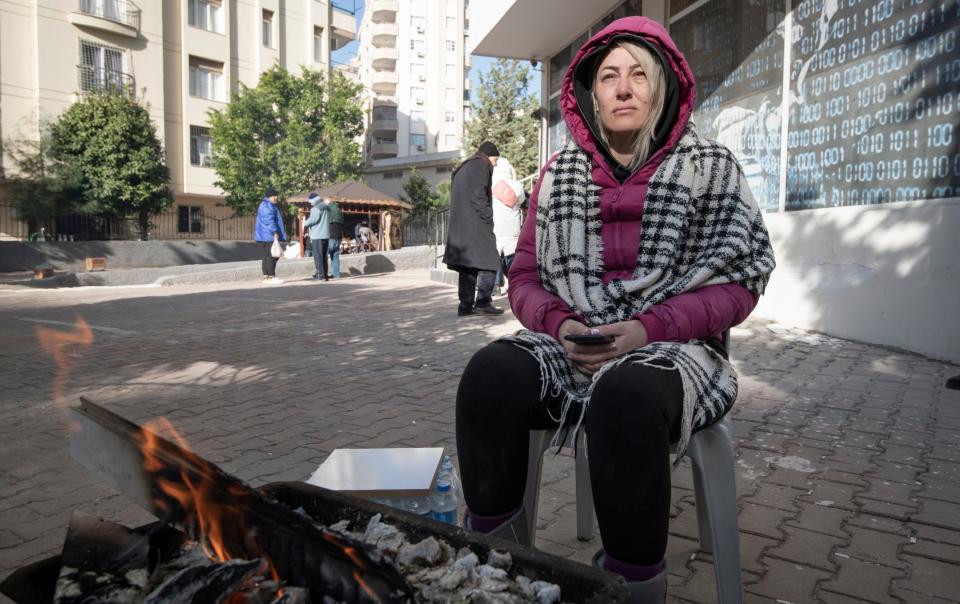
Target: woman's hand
628, 335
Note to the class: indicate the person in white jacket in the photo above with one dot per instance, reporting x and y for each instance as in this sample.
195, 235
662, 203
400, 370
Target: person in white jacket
507, 196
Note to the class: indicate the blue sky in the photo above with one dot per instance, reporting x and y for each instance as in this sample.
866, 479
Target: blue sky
480, 64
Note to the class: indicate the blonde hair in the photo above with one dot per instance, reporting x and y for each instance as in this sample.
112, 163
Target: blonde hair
654, 72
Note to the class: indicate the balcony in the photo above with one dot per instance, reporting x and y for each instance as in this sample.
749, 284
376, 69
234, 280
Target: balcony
384, 58
384, 150
95, 80
385, 34
384, 11
384, 82
343, 27
116, 16
384, 124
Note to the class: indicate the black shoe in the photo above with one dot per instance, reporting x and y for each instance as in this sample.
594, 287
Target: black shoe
465, 311
489, 309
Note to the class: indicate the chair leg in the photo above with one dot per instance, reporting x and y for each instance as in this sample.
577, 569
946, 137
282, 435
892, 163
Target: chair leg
584, 492
539, 440
711, 452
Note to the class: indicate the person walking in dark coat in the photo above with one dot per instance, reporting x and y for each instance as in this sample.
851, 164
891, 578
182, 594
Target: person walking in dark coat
471, 248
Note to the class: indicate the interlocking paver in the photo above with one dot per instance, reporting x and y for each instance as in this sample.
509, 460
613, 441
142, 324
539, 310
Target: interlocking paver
848, 455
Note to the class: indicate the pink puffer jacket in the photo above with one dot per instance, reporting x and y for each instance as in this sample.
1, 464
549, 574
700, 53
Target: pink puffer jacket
702, 313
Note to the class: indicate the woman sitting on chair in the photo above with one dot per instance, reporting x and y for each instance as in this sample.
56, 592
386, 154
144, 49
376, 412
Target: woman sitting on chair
648, 233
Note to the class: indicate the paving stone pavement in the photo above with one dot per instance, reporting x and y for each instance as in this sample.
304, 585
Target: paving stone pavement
848, 455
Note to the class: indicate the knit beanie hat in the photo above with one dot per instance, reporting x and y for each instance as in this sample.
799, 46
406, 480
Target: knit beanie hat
488, 149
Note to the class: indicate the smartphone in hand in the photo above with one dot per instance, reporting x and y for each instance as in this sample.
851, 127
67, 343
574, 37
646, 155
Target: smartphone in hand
589, 339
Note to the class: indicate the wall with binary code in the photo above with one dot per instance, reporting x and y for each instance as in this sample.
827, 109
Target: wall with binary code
874, 103
735, 49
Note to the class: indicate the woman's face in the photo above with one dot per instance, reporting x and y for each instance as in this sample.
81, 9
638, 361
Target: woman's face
622, 92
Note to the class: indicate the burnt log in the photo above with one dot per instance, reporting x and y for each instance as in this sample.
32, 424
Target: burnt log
250, 525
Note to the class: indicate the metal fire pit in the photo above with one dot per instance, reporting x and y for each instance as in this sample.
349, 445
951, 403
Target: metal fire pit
578, 582
35, 583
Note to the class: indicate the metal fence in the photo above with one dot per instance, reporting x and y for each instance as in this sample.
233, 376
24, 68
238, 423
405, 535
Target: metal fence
11, 226
189, 223
179, 223
426, 229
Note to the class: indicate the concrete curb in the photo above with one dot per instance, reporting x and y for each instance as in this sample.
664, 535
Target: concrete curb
420, 257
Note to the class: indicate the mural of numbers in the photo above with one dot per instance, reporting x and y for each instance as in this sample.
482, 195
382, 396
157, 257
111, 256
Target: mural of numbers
735, 49
873, 103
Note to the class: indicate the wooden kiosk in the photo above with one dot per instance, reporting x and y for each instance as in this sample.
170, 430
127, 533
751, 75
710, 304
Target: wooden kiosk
360, 203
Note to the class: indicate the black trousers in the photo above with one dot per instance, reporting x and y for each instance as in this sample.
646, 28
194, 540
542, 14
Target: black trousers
475, 287
633, 417
319, 257
268, 263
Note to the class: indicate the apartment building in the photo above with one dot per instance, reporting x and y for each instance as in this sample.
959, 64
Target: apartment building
181, 58
413, 66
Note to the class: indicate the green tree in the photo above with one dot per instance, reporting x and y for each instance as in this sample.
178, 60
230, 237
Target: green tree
112, 145
40, 188
443, 195
502, 115
292, 133
417, 190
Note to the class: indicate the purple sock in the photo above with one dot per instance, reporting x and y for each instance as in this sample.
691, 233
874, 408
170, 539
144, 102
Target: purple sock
486, 524
632, 572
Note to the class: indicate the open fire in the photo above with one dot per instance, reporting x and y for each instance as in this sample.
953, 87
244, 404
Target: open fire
237, 545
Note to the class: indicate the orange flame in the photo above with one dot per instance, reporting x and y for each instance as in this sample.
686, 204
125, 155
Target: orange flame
61, 346
196, 497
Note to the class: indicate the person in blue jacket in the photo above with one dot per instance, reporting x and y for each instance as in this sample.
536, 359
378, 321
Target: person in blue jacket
269, 228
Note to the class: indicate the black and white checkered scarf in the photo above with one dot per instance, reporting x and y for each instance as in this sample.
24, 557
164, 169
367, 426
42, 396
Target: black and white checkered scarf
701, 226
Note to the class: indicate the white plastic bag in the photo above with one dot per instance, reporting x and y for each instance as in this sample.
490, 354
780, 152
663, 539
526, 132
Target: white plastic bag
292, 251
276, 250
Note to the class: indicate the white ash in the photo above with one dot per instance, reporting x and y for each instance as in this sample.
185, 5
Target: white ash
438, 573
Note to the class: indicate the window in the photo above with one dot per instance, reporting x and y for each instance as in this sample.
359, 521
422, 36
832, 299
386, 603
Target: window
267, 29
206, 14
450, 117
392, 174
189, 219
201, 152
101, 68
384, 113
452, 99
418, 94
418, 72
418, 142
206, 79
450, 76
318, 44
444, 170
418, 24
419, 47
452, 45
450, 140
417, 116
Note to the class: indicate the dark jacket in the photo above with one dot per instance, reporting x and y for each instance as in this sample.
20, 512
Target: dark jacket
470, 239
336, 221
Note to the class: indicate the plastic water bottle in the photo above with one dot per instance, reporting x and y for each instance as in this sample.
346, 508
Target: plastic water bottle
421, 506
449, 473
444, 502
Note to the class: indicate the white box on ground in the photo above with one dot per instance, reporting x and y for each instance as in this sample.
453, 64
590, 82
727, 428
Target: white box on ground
405, 472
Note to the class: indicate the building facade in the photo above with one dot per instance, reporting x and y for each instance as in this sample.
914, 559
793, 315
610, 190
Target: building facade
412, 64
844, 117
181, 58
